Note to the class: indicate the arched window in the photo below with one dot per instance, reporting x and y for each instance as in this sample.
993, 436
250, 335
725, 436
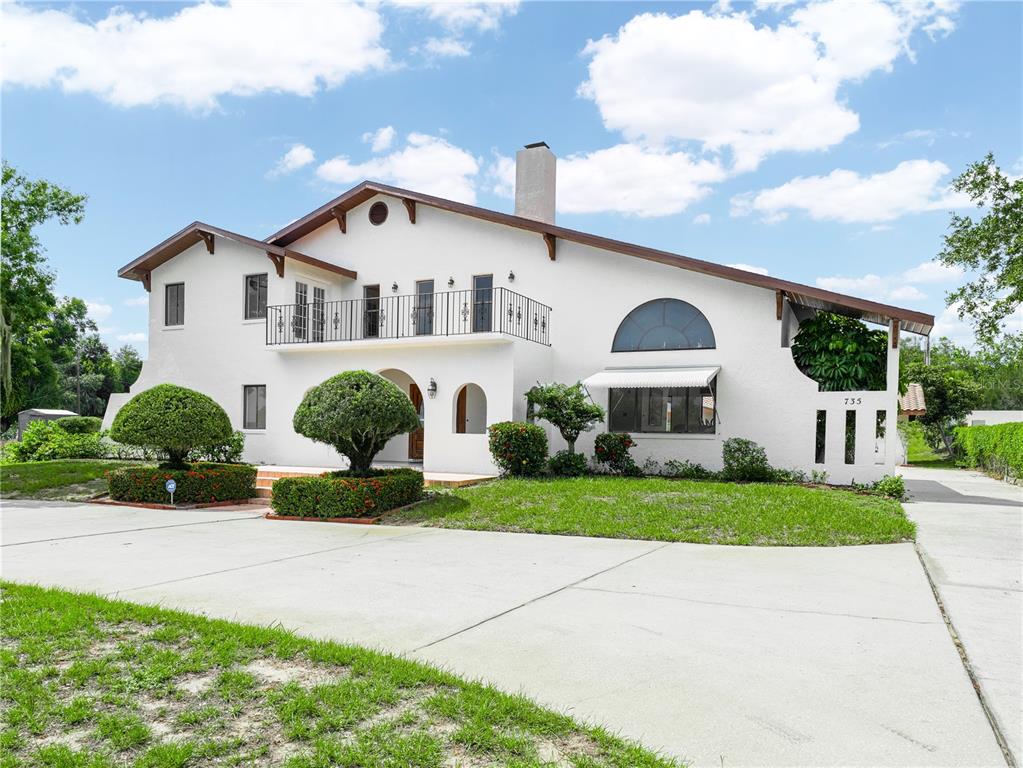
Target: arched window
663, 324
470, 410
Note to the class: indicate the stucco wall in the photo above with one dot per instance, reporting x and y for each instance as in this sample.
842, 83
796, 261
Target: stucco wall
760, 393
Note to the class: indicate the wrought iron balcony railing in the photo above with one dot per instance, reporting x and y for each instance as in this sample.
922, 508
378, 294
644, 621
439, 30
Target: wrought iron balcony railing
454, 313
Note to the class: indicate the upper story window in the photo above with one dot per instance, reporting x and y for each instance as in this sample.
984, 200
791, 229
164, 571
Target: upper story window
174, 304
255, 296
663, 324
378, 213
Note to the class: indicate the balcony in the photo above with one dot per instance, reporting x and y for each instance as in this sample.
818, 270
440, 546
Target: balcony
454, 313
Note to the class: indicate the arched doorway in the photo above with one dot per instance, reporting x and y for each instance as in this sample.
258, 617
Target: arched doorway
410, 447
470, 410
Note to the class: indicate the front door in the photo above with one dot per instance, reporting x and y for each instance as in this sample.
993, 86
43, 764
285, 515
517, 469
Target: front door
415, 438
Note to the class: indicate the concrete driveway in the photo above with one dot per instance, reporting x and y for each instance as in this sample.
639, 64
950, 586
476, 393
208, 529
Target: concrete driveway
721, 655
970, 533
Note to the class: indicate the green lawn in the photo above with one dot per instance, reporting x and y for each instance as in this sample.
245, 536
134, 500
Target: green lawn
67, 479
669, 510
94, 683
919, 453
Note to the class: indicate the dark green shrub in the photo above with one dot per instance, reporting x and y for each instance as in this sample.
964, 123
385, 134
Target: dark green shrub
47, 440
995, 447
890, 486
81, 425
342, 494
841, 353
518, 448
745, 460
172, 419
686, 470
611, 450
566, 406
355, 412
199, 484
228, 452
567, 464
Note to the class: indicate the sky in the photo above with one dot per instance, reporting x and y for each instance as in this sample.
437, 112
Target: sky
812, 142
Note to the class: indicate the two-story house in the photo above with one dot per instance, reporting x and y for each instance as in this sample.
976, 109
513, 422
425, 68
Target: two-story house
466, 308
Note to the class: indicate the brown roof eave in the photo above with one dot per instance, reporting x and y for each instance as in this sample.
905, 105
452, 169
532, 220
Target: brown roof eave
911, 321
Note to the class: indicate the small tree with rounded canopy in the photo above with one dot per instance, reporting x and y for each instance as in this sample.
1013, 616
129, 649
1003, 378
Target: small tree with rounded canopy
356, 412
172, 419
567, 407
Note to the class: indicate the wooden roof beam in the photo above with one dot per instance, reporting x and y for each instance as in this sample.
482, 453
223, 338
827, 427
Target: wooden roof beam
552, 245
278, 260
410, 206
341, 216
207, 238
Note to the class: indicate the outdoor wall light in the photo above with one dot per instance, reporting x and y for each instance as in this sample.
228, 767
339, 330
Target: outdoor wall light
451, 282
511, 277
394, 287
431, 390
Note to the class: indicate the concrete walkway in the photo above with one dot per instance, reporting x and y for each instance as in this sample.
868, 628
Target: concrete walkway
722, 655
970, 533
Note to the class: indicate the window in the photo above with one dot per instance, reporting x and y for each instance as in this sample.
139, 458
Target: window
255, 296
663, 324
371, 315
378, 213
254, 407
678, 410
300, 321
174, 304
482, 303
423, 311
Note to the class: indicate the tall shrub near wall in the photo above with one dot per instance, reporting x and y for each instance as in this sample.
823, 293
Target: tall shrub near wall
996, 447
517, 448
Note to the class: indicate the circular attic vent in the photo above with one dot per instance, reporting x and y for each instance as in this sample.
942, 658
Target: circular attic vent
378, 213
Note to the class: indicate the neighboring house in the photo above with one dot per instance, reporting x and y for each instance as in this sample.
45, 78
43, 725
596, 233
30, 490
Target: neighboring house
26, 417
912, 402
466, 308
993, 417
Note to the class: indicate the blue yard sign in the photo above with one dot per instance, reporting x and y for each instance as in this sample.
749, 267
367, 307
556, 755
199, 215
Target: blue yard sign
171, 486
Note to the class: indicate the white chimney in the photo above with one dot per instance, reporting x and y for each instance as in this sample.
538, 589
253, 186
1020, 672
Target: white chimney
535, 177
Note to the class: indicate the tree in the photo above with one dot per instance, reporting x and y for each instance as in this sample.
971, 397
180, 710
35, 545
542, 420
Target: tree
841, 354
355, 412
991, 246
950, 395
172, 419
567, 406
997, 367
26, 284
128, 365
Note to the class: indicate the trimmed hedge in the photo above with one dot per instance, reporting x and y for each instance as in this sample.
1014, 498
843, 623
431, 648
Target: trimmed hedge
199, 484
81, 425
611, 450
518, 448
996, 447
340, 494
567, 464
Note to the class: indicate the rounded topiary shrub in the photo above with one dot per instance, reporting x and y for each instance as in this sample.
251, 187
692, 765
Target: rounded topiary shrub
745, 460
343, 494
611, 450
355, 412
199, 484
518, 448
172, 419
567, 464
81, 425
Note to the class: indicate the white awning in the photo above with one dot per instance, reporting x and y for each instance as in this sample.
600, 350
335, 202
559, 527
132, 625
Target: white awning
624, 378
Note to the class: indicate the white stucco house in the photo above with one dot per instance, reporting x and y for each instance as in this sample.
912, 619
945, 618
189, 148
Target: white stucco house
466, 308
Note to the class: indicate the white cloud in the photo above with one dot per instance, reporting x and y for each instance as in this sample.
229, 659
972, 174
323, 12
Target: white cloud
750, 268
846, 196
195, 56
626, 178
728, 82
426, 164
896, 287
701, 218
461, 16
299, 156
129, 338
380, 139
446, 47
927, 136
137, 301
99, 311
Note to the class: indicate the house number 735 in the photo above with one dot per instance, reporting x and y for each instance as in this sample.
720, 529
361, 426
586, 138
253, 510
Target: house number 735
854, 401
